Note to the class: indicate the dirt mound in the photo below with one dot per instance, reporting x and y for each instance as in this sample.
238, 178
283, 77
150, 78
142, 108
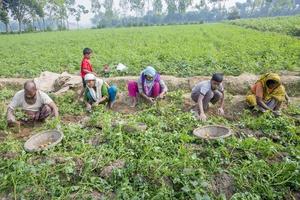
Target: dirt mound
239, 84
13, 82
223, 183
108, 170
60, 83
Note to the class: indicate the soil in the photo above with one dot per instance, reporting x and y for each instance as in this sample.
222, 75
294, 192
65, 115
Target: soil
223, 183
108, 170
2, 136
96, 140
8, 155
123, 108
233, 84
24, 134
278, 157
72, 119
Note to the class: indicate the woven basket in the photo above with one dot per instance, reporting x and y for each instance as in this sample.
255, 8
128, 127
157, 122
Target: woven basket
212, 132
43, 141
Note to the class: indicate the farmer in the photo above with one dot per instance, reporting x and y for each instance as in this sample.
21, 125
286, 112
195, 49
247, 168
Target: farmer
36, 104
98, 92
149, 86
209, 91
267, 93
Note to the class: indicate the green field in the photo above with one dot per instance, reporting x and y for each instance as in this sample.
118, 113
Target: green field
164, 162
177, 50
260, 161
285, 25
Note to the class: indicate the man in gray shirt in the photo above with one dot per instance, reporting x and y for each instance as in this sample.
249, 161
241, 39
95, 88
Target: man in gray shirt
209, 91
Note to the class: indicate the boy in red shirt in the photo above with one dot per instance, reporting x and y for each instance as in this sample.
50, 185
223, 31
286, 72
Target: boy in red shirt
86, 66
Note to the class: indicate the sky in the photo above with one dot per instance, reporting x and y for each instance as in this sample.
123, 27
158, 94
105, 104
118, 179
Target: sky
86, 19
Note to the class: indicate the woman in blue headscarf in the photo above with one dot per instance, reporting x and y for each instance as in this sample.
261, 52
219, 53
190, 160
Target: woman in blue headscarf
149, 86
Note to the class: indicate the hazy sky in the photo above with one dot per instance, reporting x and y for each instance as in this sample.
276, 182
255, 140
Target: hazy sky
86, 22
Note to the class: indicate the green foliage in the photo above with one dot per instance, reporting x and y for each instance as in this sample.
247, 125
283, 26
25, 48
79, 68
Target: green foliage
185, 50
285, 25
164, 162
268, 123
68, 104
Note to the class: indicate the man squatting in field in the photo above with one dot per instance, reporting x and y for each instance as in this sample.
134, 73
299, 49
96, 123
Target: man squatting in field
208, 91
36, 104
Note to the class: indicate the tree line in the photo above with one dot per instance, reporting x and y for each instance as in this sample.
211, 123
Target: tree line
42, 15
153, 12
39, 15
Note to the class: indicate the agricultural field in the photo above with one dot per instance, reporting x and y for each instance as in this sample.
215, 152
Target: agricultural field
286, 25
261, 160
150, 152
175, 50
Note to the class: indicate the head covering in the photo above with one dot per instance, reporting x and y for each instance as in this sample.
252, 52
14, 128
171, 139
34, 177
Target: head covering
148, 84
96, 93
89, 77
217, 77
149, 71
278, 93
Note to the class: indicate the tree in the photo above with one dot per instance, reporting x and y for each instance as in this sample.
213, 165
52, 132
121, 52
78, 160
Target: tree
280, 6
124, 4
35, 10
4, 15
233, 14
80, 10
157, 7
97, 11
242, 7
171, 6
137, 6
40, 11
59, 10
69, 10
4, 18
183, 4
19, 9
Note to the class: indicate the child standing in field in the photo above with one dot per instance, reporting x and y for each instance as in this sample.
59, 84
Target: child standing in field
86, 67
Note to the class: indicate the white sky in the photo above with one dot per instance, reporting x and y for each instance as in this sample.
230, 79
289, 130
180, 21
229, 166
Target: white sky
86, 22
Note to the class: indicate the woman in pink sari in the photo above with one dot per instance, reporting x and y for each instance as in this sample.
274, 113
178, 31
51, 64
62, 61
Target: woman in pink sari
149, 86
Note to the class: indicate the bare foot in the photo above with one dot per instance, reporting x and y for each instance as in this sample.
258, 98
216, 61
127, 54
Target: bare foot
134, 102
133, 105
111, 104
88, 107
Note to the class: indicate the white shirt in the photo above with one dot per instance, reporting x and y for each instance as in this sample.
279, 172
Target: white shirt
19, 101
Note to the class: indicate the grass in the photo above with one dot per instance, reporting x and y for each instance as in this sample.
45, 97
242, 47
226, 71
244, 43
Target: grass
175, 50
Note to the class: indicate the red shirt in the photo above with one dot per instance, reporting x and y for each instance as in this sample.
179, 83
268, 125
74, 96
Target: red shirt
86, 64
